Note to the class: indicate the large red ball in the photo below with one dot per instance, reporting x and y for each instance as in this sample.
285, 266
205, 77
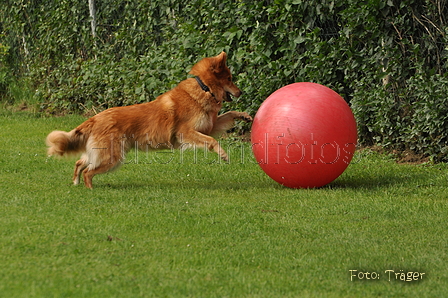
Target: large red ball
304, 135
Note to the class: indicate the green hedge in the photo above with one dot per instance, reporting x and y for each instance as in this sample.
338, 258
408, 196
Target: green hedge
387, 58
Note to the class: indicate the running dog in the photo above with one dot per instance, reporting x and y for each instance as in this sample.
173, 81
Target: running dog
185, 116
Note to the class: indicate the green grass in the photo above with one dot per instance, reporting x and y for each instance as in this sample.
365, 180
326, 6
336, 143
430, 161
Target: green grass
202, 229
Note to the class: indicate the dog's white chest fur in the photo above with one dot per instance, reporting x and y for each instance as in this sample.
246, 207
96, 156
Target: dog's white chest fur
204, 124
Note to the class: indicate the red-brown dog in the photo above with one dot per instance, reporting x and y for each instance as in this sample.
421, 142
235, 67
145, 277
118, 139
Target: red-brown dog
182, 117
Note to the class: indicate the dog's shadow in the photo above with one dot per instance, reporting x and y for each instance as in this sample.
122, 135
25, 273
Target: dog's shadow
376, 182
195, 185
361, 183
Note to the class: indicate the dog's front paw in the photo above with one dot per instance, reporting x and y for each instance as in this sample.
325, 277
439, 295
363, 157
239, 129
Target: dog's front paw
246, 117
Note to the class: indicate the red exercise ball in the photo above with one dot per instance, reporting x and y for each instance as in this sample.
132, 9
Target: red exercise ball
304, 135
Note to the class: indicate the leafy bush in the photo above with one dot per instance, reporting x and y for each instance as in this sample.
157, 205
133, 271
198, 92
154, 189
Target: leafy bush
5, 75
387, 58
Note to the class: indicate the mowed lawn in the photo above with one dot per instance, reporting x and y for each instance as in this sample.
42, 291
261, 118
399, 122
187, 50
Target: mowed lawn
183, 225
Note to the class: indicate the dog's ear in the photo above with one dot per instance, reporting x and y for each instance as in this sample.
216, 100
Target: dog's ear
222, 58
219, 62
215, 64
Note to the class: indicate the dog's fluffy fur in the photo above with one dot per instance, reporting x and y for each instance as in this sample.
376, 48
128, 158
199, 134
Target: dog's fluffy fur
182, 117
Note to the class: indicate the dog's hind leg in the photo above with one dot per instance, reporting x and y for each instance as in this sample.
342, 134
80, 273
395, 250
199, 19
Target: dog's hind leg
89, 173
102, 159
79, 167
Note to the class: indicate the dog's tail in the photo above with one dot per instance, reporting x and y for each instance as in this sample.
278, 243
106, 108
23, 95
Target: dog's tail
67, 143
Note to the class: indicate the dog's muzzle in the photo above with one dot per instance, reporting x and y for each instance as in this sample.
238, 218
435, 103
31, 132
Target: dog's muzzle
229, 95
